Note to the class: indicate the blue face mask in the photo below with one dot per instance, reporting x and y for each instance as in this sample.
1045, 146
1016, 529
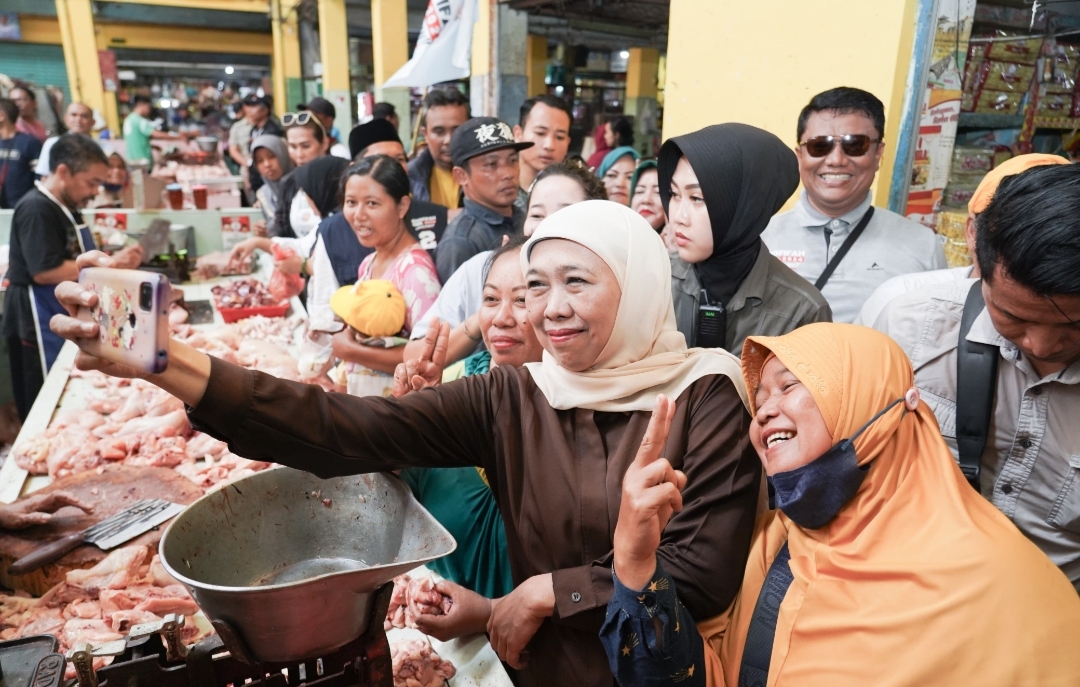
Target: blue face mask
113, 188
813, 494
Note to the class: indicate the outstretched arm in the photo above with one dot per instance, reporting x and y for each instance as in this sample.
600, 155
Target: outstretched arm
300, 425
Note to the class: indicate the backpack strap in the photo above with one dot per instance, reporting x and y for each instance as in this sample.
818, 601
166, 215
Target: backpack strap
976, 383
757, 653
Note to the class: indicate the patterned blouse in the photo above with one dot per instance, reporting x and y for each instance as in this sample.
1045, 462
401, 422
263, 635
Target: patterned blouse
413, 273
650, 638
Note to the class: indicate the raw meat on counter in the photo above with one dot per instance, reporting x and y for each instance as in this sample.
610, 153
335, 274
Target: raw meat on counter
244, 293
134, 423
100, 604
189, 173
220, 264
413, 597
277, 330
258, 343
417, 665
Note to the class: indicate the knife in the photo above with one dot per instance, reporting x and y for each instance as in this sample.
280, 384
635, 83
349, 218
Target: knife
107, 534
156, 239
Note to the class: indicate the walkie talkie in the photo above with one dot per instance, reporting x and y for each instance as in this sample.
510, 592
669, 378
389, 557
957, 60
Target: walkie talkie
711, 324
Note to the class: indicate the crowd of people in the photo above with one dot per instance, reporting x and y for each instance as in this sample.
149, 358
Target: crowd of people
679, 435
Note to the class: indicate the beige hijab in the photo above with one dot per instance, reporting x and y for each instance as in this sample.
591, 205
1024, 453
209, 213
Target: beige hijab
646, 355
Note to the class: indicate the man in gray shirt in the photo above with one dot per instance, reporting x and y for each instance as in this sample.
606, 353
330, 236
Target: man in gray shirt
486, 167
839, 151
1028, 249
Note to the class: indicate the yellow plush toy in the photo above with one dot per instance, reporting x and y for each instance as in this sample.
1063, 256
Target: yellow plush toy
374, 307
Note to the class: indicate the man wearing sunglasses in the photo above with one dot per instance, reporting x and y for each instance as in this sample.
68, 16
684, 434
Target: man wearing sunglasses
834, 238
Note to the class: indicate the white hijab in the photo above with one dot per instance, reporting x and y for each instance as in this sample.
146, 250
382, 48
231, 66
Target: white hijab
646, 354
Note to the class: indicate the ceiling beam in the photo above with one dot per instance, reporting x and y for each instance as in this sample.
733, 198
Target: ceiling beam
262, 6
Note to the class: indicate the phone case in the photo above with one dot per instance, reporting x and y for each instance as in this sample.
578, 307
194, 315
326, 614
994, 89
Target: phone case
129, 334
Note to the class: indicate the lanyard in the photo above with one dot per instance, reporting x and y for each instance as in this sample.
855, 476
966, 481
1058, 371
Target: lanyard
844, 248
80, 228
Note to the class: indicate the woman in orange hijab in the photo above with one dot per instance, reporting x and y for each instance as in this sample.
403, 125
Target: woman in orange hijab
880, 566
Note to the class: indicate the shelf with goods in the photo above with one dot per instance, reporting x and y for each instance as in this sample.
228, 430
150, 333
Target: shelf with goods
1007, 87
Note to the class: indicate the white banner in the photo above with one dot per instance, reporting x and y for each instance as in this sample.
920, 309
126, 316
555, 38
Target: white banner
443, 48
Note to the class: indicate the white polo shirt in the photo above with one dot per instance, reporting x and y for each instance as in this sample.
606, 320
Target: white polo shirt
890, 245
459, 298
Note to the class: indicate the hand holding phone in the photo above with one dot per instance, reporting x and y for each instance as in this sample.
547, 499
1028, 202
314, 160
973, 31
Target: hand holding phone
132, 317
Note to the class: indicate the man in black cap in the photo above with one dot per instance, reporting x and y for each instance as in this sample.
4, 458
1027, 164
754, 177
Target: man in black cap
326, 113
486, 167
257, 111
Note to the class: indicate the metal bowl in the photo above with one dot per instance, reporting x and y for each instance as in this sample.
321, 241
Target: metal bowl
291, 561
207, 144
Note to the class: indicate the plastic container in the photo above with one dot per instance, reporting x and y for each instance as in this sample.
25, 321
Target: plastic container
198, 193
175, 194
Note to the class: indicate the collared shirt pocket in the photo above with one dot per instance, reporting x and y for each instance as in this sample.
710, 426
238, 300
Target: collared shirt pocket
945, 413
1066, 511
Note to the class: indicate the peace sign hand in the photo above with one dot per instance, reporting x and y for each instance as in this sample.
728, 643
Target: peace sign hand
425, 371
652, 493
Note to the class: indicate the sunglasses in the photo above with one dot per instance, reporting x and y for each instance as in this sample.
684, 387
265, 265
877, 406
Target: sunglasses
300, 119
853, 145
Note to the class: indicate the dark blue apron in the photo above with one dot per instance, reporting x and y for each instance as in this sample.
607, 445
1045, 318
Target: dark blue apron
45, 305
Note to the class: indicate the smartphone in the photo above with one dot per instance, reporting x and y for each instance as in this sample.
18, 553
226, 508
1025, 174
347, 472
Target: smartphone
132, 314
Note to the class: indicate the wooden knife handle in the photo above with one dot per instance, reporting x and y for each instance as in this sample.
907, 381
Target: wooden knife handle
47, 554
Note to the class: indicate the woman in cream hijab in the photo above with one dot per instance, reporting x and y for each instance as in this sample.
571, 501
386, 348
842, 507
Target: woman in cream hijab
881, 565
554, 438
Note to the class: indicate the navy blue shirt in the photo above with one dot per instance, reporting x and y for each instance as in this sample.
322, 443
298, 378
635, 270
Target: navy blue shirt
475, 230
18, 155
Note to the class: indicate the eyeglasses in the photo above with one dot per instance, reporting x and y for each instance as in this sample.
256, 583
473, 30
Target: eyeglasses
853, 145
300, 119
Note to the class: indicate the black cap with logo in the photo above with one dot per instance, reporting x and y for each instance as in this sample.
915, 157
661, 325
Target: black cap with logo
482, 135
252, 99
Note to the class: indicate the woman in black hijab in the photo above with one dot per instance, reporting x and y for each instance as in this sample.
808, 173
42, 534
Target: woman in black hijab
309, 194
720, 186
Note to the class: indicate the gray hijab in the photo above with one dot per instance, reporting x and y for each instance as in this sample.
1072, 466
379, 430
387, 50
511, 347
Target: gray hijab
276, 145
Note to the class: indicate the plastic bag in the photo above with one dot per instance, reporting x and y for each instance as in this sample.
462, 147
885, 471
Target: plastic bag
284, 286
316, 354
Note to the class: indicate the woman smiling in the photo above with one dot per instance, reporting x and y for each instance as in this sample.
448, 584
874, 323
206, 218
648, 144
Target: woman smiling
460, 498
553, 437
375, 201
881, 565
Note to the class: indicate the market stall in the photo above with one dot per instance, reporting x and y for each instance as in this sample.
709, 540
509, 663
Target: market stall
998, 80
116, 442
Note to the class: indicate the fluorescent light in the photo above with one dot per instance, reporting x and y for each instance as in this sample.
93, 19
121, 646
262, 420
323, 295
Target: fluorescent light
164, 102
229, 69
625, 54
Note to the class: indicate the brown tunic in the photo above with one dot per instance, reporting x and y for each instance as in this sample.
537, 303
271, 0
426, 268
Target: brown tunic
556, 476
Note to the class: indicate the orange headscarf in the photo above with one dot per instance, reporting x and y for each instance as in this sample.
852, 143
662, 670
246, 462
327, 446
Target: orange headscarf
988, 186
919, 580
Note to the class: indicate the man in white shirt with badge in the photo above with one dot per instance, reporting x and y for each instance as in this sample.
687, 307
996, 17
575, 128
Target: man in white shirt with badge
834, 238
